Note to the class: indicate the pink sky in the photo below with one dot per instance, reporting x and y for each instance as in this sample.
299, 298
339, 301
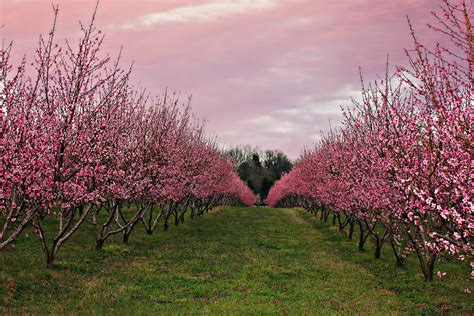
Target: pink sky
270, 73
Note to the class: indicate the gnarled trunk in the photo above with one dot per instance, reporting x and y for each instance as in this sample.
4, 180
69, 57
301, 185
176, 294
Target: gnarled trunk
67, 227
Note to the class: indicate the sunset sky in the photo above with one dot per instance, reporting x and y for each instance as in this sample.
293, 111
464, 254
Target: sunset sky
270, 73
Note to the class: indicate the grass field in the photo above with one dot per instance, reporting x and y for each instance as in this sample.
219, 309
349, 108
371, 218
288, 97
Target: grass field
234, 260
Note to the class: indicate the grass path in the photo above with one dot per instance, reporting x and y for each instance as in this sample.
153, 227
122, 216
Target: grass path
235, 260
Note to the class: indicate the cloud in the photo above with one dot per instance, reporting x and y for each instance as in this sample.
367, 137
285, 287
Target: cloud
298, 22
270, 73
272, 124
260, 120
204, 12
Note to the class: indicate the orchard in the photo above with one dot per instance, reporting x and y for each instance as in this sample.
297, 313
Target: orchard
400, 168
79, 140
104, 184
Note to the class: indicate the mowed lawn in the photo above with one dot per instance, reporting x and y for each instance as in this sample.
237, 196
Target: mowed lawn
233, 260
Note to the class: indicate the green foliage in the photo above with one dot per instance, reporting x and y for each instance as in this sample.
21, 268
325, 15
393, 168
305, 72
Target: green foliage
275, 261
259, 169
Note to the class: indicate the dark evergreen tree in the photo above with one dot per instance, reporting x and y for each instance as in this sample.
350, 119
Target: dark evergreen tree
259, 170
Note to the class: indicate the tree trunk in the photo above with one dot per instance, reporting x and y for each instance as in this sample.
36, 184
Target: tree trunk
426, 257
99, 244
427, 267
362, 237
378, 249
342, 224
17, 231
351, 229
149, 226
50, 260
176, 218
326, 215
400, 259
64, 233
126, 236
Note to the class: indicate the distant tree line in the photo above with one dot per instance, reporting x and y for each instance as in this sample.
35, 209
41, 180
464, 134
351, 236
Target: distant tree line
259, 169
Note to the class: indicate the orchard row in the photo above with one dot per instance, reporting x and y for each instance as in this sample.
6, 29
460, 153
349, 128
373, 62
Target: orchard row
80, 143
400, 170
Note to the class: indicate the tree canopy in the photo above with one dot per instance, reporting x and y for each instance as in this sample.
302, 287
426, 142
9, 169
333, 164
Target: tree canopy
259, 169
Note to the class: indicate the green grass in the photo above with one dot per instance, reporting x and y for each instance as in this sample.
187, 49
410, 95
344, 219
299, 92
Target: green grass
234, 260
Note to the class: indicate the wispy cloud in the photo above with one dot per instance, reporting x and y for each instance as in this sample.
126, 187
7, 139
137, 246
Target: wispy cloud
273, 124
270, 73
204, 12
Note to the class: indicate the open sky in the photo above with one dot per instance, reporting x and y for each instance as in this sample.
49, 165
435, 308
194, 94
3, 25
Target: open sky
270, 73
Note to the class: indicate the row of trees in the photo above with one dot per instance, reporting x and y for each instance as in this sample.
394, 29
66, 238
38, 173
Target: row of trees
259, 169
400, 168
80, 143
